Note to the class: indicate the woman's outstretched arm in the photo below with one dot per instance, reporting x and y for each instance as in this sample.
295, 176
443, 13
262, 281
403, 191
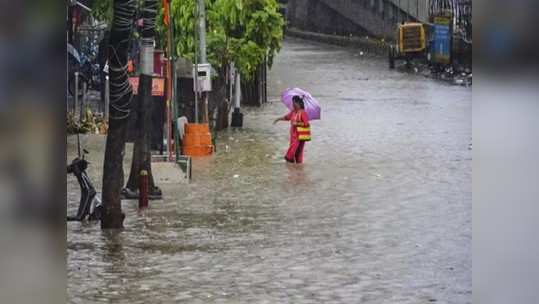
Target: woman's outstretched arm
278, 119
282, 118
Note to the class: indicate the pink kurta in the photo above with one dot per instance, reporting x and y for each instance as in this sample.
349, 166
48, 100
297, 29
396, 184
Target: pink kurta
295, 151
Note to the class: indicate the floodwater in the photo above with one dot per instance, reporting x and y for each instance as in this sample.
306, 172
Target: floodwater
379, 213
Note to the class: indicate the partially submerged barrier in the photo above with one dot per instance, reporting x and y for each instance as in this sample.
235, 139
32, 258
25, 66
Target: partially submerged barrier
197, 140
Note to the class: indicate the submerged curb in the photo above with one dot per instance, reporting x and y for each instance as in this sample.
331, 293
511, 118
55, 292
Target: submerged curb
369, 45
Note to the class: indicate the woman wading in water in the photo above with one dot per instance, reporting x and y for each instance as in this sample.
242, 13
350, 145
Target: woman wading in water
299, 131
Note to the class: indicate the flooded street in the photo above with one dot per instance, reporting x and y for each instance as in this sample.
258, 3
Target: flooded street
379, 213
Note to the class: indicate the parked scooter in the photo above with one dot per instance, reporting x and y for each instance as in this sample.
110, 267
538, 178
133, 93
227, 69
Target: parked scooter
90, 204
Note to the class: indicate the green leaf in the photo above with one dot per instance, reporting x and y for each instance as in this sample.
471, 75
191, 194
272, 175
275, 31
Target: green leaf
243, 31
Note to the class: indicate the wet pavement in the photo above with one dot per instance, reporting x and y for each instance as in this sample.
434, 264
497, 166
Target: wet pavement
379, 213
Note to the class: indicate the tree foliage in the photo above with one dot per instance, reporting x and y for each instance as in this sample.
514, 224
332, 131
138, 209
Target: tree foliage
102, 10
240, 31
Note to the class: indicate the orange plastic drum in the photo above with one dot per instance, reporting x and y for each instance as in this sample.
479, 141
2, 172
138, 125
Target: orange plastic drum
197, 140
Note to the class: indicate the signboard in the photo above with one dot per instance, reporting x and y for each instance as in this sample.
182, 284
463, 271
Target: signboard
441, 42
158, 85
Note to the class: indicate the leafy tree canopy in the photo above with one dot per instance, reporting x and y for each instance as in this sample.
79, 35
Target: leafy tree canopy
103, 9
240, 31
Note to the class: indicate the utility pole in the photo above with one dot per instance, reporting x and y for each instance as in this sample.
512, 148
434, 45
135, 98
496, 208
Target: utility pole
170, 95
195, 63
202, 30
202, 45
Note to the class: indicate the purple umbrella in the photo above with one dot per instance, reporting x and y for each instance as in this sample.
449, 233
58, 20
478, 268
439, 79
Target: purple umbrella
312, 108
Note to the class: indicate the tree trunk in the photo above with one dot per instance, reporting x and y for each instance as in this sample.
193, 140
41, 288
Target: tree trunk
219, 106
142, 156
120, 97
250, 90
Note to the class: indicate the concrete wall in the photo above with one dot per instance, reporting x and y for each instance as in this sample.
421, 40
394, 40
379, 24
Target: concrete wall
358, 17
316, 16
418, 9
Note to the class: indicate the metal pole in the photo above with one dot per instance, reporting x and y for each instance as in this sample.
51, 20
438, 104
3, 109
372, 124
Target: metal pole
205, 118
231, 78
195, 77
169, 88
238, 91
169, 109
107, 97
196, 91
82, 101
202, 42
265, 80
202, 28
76, 100
174, 91
175, 112
67, 61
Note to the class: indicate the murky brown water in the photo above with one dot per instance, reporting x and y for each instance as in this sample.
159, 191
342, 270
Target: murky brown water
380, 212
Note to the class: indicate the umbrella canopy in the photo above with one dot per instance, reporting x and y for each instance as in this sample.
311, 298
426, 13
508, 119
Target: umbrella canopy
312, 108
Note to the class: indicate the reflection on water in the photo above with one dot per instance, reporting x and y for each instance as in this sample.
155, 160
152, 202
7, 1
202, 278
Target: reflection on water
297, 179
379, 213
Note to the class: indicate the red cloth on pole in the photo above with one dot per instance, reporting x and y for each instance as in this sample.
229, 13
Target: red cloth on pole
166, 12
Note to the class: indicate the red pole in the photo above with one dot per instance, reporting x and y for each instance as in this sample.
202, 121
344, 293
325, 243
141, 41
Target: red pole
169, 82
169, 113
143, 190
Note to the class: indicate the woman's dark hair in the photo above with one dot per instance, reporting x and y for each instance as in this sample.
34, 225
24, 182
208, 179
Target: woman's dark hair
299, 101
